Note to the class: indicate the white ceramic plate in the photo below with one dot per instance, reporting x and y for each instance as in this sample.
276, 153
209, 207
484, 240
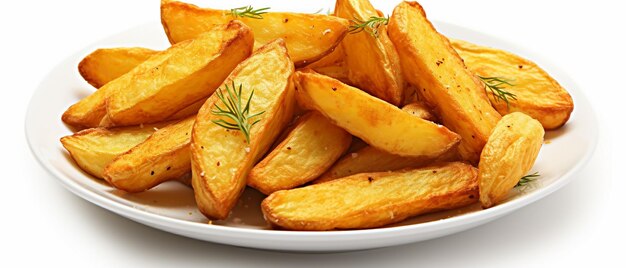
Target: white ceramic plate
171, 207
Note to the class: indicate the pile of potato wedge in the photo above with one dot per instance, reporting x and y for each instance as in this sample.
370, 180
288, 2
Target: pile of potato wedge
347, 120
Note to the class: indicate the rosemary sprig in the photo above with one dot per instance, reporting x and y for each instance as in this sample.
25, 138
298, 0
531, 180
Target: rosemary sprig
248, 12
527, 179
496, 85
370, 26
238, 114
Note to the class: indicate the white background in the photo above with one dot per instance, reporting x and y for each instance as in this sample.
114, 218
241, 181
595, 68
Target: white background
581, 224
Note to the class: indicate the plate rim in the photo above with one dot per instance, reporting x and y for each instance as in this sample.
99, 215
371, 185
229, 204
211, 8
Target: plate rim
158, 221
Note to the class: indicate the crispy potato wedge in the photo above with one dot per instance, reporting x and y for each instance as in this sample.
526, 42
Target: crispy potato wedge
308, 37
221, 158
93, 149
370, 159
375, 121
186, 75
163, 156
190, 110
106, 64
431, 64
310, 148
370, 200
537, 93
372, 61
508, 155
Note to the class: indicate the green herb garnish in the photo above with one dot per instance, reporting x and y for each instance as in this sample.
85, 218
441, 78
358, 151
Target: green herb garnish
496, 85
238, 114
370, 26
524, 181
248, 12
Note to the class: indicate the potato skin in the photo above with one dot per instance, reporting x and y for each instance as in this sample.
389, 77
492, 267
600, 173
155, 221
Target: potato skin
537, 93
163, 156
508, 155
106, 64
431, 64
221, 158
308, 37
376, 122
93, 149
309, 149
372, 62
369, 200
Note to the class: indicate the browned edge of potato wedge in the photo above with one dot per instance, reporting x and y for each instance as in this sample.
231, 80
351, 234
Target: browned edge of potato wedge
187, 75
372, 61
369, 200
92, 149
163, 156
221, 158
309, 149
509, 154
536, 93
433, 66
375, 121
308, 37
106, 64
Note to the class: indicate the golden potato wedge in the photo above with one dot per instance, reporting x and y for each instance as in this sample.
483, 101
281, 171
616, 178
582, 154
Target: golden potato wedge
370, 200
310, 148
92, 149
190, 110
106, 64
187, 75
372, 61
536, 93
163, 156
222, 158
308, 37
375, 121
370, 159
430, 63
508, 155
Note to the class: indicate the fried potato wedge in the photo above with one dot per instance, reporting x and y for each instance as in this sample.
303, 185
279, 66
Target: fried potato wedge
163, 156
106, 64
420, 110
375, 121
93, 149
188, 74
370, 200
371, 60
309, 149
221, 158
308, 37
508, 155
432, 65
537, 93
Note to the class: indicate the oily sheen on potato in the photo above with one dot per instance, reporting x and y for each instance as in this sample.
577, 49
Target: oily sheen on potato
369, 200
536, 93
308, 37
371, 60
508, 155
310, 148
93, 149
375, 121
187, 75
163, 156
431, 64
222, 158
106, 64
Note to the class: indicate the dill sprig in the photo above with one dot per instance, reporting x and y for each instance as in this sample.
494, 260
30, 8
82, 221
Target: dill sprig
248, 12
527, 179
238, 114
496, 85
370, 26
